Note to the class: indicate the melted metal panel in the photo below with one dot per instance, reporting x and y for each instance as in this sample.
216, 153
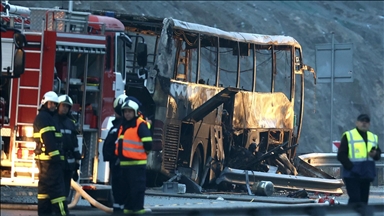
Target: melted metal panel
262, 110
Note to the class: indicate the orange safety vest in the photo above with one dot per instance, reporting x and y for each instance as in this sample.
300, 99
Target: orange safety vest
133, 147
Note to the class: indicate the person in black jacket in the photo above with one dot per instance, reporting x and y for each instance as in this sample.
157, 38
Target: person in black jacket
50, 190
357, 152
109, 155
70, 146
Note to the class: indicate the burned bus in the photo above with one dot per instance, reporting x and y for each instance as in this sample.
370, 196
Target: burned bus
209, 92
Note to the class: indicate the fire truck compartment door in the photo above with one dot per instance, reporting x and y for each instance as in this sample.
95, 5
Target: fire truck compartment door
7, 53
221, 97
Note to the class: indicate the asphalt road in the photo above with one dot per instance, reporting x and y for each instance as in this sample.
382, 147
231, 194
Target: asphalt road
163, 203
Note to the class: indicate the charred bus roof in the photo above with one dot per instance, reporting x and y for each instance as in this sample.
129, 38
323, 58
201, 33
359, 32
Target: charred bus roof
153, 26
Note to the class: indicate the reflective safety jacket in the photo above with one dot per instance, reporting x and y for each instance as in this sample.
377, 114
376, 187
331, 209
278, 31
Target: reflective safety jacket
130, 144
47, 137
70, 146
358, 154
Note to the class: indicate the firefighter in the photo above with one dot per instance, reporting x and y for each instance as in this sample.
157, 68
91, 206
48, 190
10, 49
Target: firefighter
109, 155
139, 113
70, 147
132, 147
357, 152
50, 190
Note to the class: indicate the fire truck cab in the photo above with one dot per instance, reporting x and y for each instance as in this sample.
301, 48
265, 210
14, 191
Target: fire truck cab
74, 53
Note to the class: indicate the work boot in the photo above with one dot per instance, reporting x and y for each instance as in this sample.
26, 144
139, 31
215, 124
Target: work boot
117, 211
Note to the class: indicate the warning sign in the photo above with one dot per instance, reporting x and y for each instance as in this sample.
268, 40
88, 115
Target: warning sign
335, 146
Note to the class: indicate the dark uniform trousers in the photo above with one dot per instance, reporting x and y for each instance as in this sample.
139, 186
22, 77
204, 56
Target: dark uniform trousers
357, 189
67, 175
51, 196
118, 193
134, 178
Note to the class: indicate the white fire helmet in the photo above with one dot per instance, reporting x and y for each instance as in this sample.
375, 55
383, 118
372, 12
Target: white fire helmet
118, 102
50, 96
65, 99
130, 104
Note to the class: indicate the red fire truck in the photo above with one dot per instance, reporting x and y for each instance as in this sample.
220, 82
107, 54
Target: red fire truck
69, 52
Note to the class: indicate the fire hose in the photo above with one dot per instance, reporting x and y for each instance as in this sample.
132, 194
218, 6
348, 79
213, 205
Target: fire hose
81, 192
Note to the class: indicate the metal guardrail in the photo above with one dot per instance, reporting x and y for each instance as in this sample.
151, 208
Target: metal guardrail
329, 160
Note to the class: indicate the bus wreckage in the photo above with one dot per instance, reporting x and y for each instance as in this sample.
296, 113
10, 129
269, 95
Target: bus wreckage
227, 107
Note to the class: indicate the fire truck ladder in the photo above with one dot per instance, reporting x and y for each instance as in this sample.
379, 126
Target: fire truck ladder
24, 102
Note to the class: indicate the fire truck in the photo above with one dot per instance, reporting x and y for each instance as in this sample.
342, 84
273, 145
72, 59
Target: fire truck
74, 53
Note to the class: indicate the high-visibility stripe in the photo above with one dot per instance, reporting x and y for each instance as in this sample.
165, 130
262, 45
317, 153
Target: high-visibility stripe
57, 200
133, 150
66, 131
132, 142
72, 160
58, 134
142, 211
146, 139
62, 209
358, 150
76, 149
47, 157
132, 163
38, 135
47, 129
54, 153
42, 196
126, 211
42, 157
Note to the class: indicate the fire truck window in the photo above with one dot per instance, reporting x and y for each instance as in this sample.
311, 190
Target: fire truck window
120, 57
5, 85
131, 65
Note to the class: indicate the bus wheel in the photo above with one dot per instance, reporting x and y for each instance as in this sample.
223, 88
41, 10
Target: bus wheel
197, 166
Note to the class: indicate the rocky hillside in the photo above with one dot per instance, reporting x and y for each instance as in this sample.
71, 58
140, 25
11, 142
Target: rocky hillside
311, 23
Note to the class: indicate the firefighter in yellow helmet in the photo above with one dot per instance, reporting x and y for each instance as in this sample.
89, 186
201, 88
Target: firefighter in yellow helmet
132, 147
50, 190
70, 147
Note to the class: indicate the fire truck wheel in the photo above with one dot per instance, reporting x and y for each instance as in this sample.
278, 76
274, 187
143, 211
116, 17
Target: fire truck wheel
197, 166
